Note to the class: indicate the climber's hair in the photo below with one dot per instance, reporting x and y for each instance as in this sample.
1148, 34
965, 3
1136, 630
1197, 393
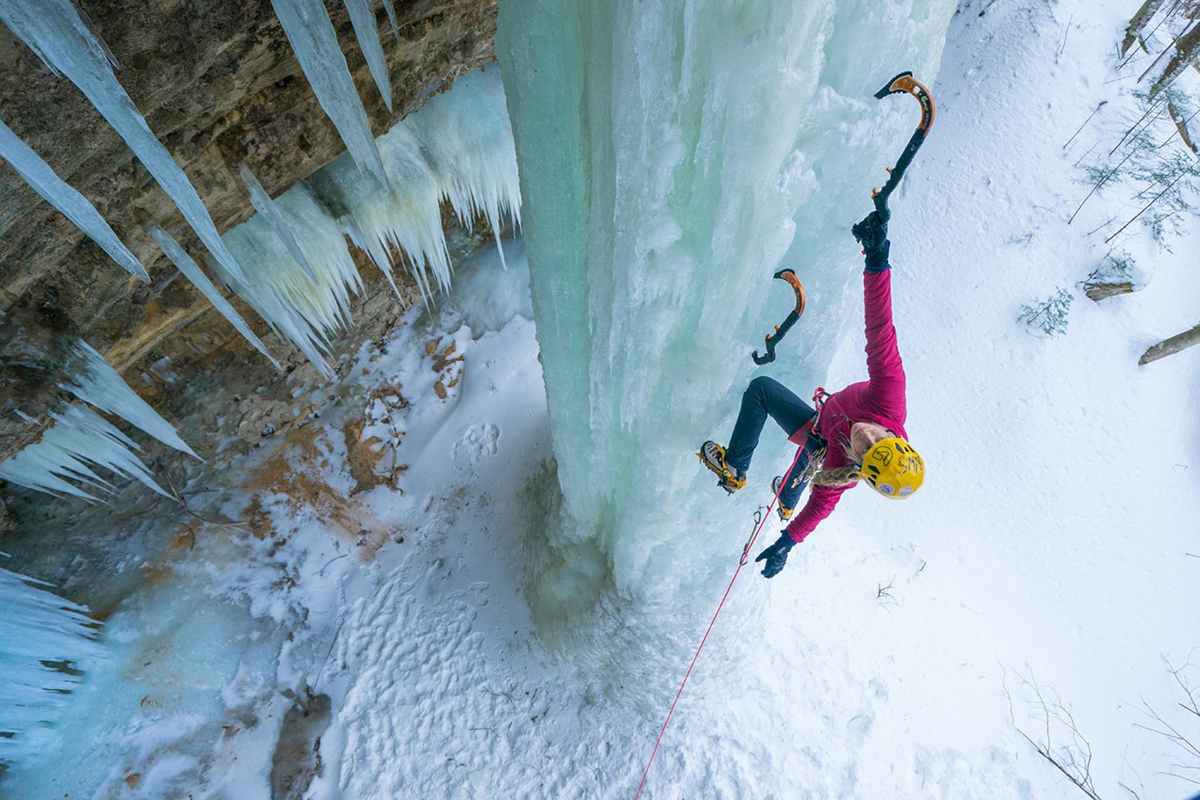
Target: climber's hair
837, 477
842, 477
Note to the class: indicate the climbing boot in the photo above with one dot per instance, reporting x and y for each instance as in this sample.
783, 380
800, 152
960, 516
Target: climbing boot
785, 513
712, 455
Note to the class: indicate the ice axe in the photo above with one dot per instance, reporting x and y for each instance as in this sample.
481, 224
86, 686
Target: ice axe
901, 84
782, 328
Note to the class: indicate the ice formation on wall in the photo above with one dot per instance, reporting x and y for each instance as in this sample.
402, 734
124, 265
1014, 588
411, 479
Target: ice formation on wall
55, 31
307, 313
458, 147
60, 194
362, 17
314, 41
78, 437
264, 205
36, 628
191, 270
665, 166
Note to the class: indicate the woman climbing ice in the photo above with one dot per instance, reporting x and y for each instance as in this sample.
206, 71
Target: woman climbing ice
859, 431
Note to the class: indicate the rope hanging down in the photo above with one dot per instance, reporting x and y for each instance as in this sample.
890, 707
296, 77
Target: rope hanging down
736, 572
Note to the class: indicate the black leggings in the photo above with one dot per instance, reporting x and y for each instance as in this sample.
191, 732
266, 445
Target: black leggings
767, 396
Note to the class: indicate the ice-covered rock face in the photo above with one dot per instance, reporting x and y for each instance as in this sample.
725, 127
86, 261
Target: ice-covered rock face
673, 156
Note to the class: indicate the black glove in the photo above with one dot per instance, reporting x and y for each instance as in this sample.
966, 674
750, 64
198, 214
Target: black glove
871, 233
776, 555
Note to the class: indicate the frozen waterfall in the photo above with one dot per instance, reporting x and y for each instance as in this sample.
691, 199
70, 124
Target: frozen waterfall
38, 630
679, 155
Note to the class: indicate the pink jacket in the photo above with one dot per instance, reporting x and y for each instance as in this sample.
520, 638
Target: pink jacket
880, 399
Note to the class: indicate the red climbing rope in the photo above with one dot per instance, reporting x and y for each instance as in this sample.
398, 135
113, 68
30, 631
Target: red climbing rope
741, 563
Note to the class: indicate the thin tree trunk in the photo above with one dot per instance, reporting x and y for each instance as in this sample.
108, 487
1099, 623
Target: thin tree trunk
1138, 23
1169, 347
1187, 51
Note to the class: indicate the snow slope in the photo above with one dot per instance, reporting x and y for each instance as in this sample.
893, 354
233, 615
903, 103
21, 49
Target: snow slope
892, 657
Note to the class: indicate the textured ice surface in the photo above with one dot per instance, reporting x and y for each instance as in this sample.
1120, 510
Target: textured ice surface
362, 17
191, 270
314, 41
58, 34
60, 194
679, 155
38, 628
78, 438
93, 379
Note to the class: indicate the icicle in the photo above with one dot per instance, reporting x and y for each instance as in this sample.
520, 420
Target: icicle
264, 205
79, 437
60, 194
54, 30
460, 146
390, 8
37, 628
95, 381
406, 217
314, 41
307, 313
362, 17
191, 270
468, 136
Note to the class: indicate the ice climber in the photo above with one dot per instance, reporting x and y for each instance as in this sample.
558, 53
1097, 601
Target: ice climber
858, 432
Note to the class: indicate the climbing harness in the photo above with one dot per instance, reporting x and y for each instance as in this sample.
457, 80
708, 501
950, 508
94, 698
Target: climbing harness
782, 328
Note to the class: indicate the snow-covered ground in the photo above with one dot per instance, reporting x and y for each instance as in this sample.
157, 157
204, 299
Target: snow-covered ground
896, 655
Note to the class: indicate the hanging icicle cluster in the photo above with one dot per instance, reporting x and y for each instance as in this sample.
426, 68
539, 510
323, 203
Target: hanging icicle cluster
38, 628
64, 461
457, 148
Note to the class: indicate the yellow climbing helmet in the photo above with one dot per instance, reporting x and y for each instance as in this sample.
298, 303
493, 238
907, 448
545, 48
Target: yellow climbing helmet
893, 468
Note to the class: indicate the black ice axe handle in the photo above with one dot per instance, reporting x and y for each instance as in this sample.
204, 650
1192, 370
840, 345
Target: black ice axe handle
904, 83
782, 328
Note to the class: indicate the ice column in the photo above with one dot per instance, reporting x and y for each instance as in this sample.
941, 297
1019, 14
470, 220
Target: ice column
673, 156
37, 628
314, 41
58, 34
60, 194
